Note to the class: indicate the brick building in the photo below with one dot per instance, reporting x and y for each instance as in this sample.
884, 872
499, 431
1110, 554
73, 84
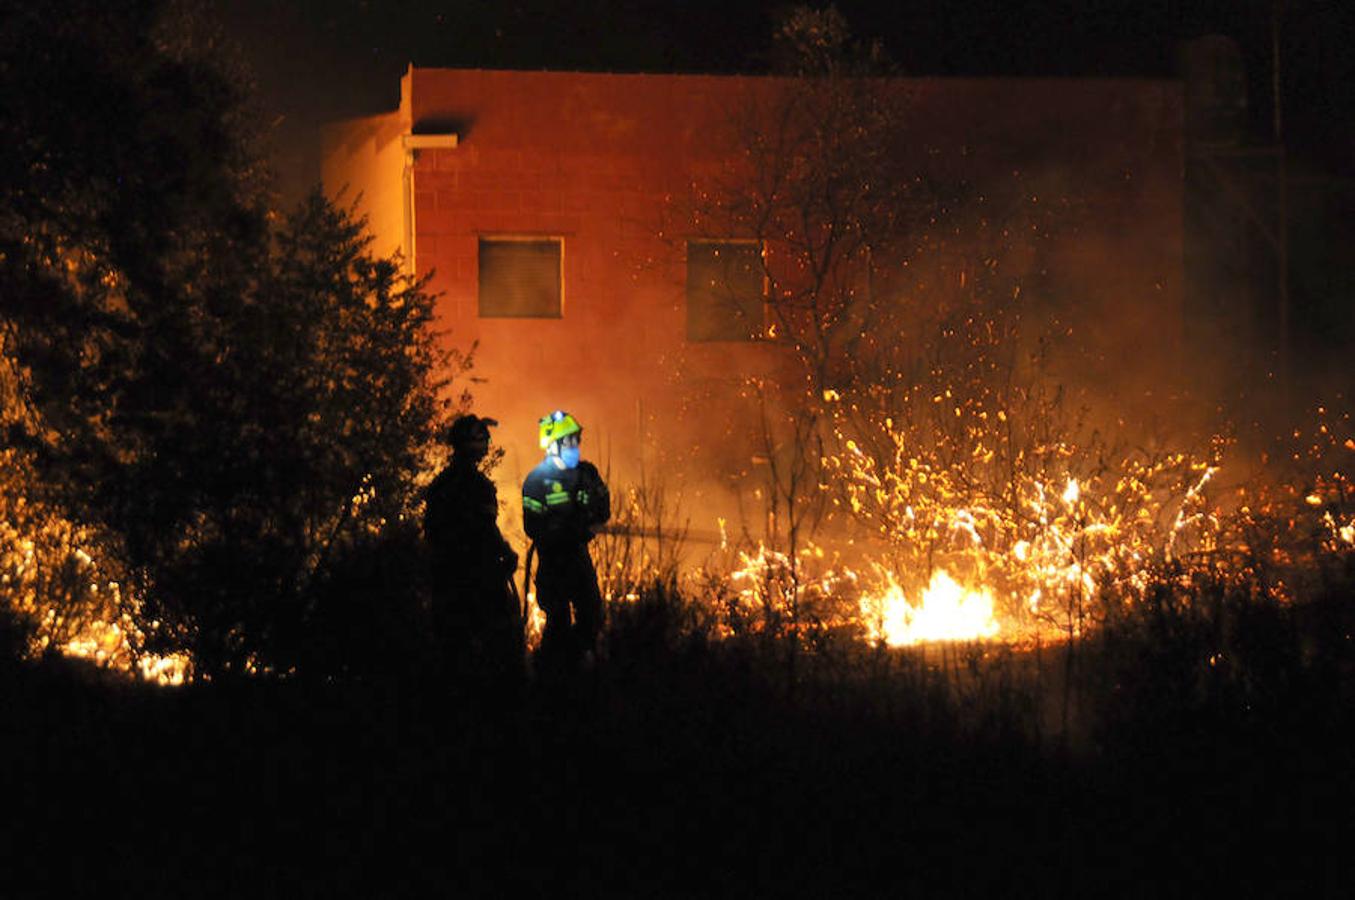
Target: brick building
545, 205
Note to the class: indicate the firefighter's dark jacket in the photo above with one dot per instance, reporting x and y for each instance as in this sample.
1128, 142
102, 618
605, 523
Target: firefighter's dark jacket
560, 506
460, 525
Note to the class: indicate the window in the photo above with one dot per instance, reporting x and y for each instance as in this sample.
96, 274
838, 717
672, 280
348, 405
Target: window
520, 278
725, 291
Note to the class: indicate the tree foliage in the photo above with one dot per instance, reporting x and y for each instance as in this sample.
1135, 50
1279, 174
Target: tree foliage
302, 429
234, 398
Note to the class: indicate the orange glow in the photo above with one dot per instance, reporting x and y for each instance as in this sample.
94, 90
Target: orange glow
948, 612
106, 644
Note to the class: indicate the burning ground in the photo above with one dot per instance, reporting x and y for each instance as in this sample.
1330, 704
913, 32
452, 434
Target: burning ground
1123, 674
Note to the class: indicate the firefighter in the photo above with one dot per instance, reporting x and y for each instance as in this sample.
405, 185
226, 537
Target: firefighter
475, 608
563, 501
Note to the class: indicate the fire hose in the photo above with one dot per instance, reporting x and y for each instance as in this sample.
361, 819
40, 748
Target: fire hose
672, 534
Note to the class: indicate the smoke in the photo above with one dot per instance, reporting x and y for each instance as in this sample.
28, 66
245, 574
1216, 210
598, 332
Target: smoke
1047, 220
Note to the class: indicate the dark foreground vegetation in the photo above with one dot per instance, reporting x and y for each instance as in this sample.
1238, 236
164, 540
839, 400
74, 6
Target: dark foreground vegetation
684, 766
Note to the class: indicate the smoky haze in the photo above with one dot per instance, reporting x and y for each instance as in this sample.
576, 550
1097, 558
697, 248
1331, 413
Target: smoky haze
1176, 374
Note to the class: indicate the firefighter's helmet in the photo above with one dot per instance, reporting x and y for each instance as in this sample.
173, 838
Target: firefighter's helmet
556, 426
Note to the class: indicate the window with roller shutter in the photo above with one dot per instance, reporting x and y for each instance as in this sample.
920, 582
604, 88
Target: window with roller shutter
521, 277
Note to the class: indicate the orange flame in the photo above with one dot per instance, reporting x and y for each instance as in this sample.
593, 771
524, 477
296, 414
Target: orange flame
948, 612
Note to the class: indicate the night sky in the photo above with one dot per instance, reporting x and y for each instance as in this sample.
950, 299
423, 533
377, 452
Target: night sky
323, 59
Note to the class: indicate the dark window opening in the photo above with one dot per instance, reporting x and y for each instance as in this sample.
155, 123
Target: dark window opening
726, 291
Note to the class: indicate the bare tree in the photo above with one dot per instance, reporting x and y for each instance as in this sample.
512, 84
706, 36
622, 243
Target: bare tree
920, 410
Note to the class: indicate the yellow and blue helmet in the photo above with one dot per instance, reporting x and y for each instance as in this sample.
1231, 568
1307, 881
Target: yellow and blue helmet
555, 426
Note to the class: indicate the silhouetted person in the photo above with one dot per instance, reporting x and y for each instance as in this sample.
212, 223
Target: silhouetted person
563, 500
475, 609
